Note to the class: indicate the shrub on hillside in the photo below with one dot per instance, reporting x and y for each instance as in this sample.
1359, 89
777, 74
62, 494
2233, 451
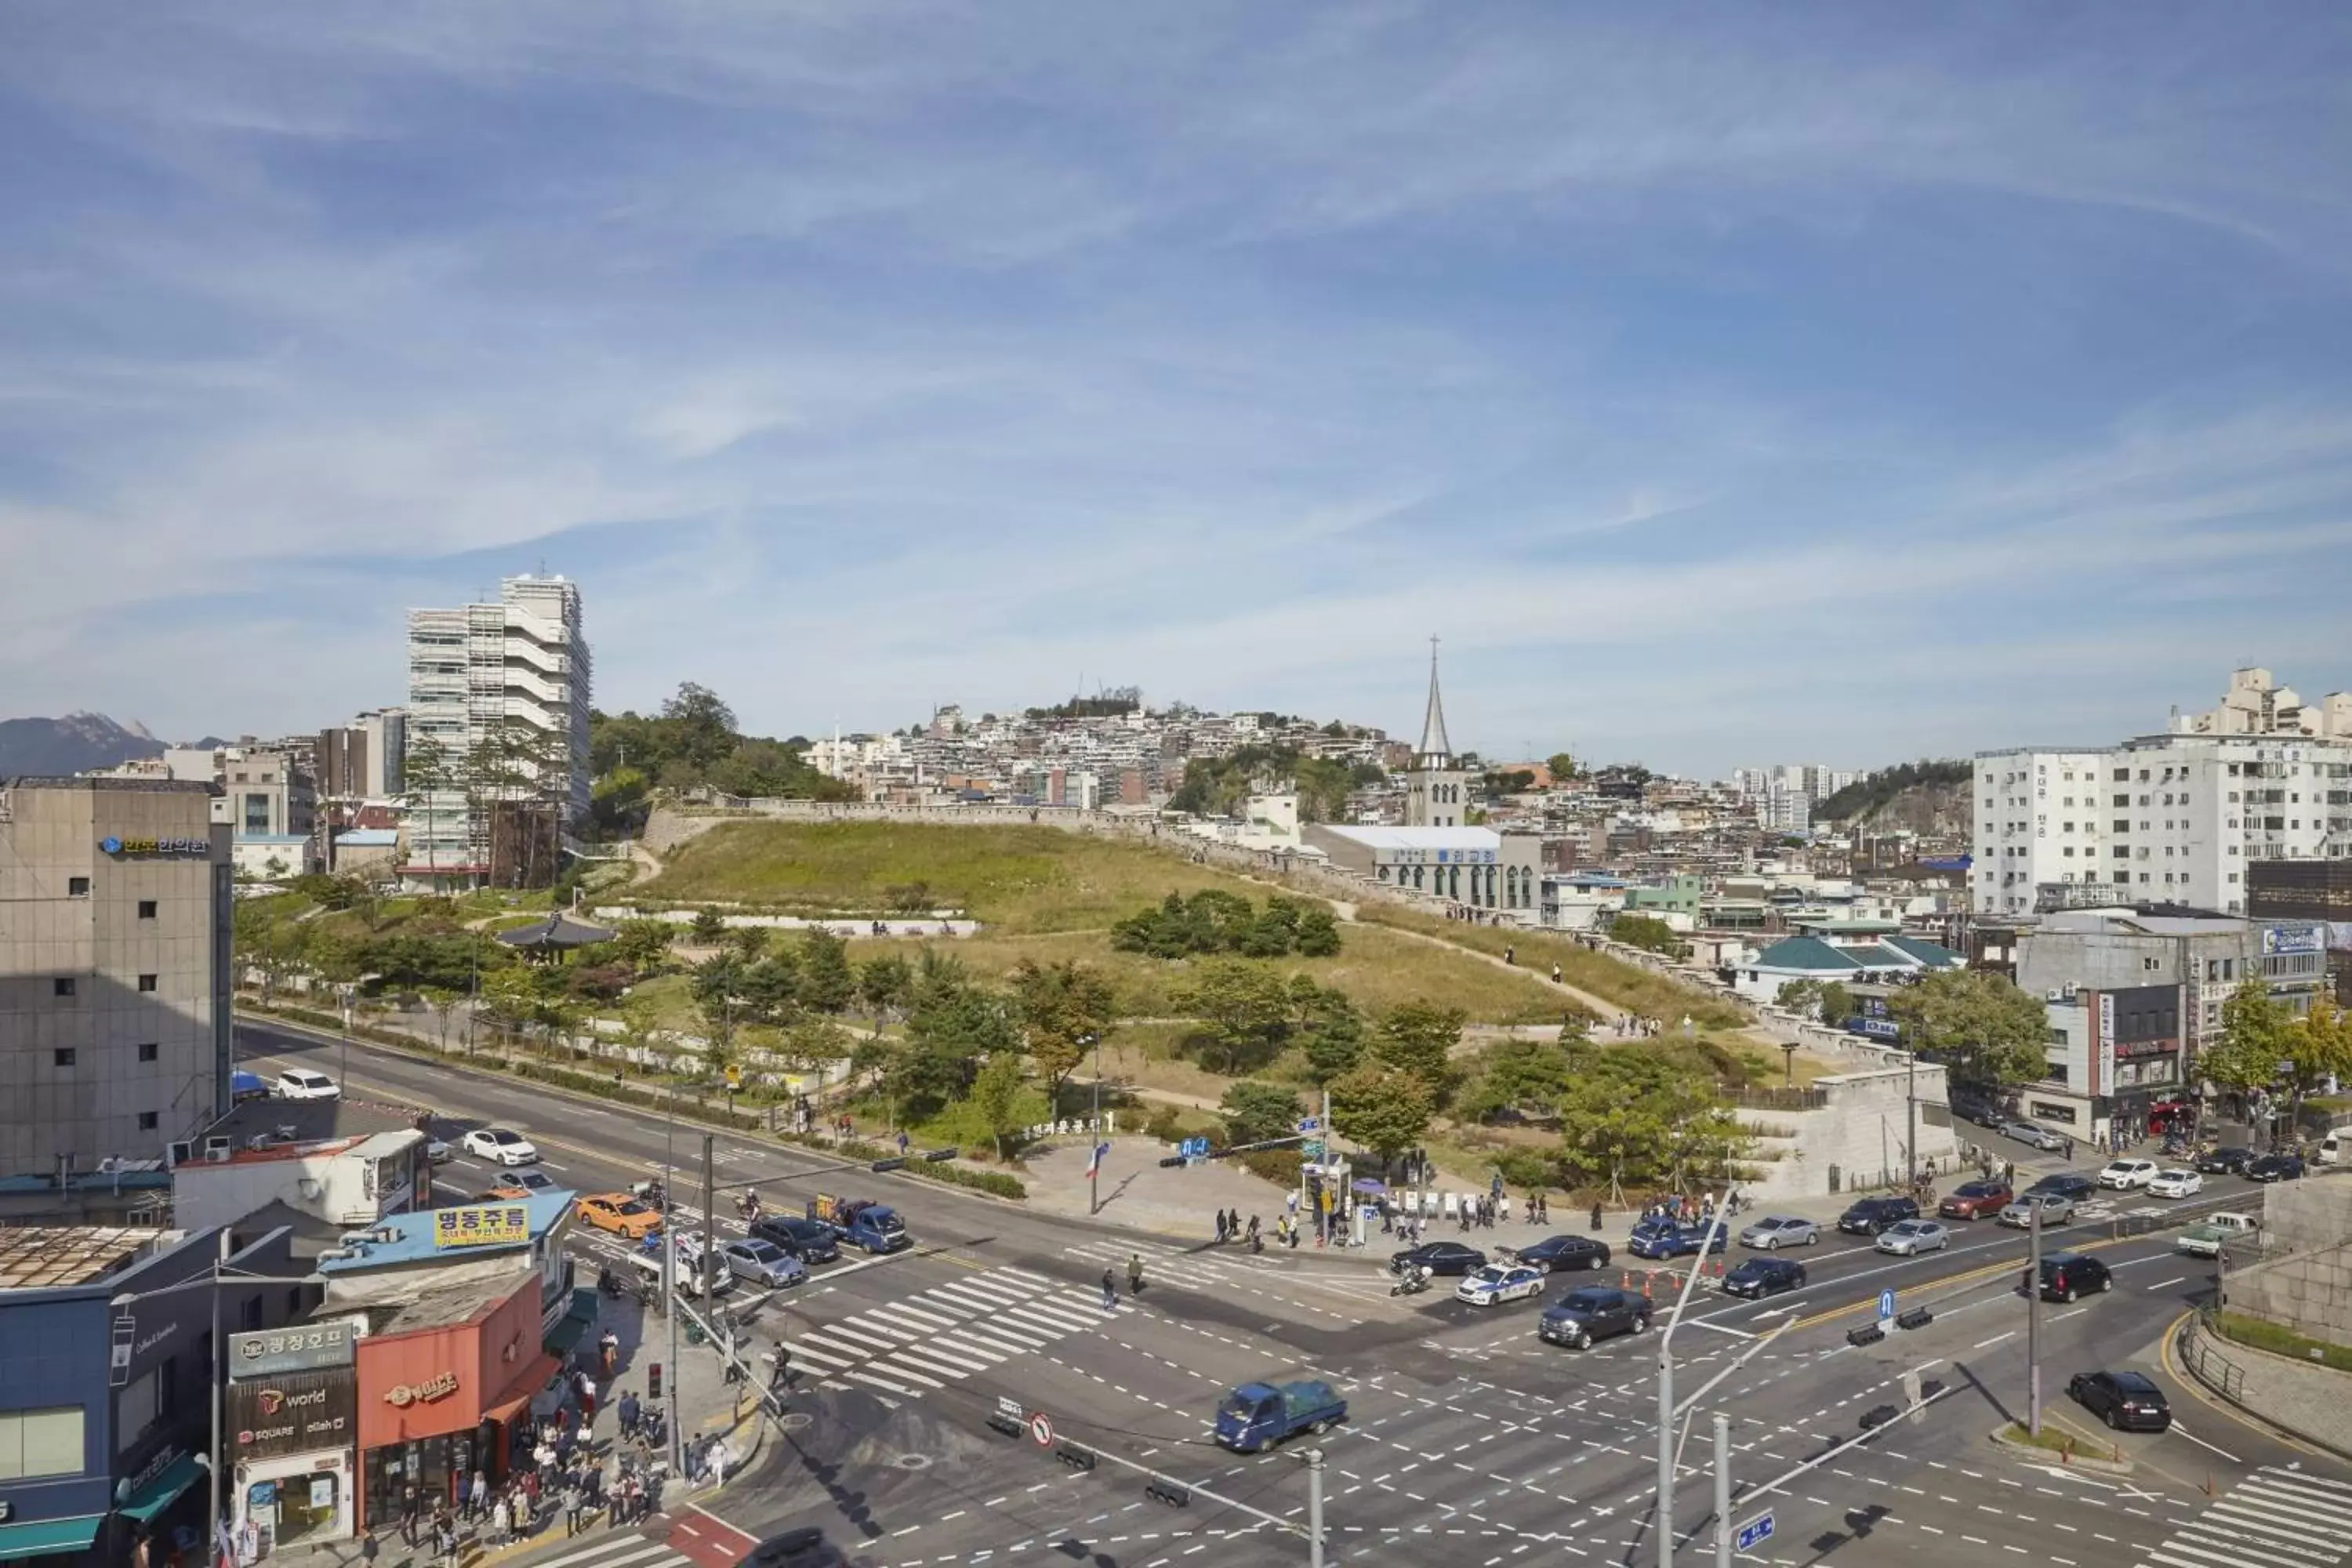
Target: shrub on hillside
1213, 921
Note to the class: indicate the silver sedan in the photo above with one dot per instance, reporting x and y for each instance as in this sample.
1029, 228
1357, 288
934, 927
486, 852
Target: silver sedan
1776, 1231
1914, 1237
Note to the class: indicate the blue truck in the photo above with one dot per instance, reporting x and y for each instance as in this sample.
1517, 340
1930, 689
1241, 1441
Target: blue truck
861, 1222
1259, 1415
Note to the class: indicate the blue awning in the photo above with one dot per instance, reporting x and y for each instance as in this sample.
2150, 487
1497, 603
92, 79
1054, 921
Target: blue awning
39, 1537
160, 1492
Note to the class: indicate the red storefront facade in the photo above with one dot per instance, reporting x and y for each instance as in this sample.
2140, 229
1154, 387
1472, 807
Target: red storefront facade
436, 1403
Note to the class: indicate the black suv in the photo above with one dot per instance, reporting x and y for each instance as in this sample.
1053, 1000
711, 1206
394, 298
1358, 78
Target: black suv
2275, 1168
2124, 1400
1594, 1312
1439, 1258
1872, 1215
2066, 1275
2067, 1185
1555, 1254
2226, 1162
809, 1240
1760, 1276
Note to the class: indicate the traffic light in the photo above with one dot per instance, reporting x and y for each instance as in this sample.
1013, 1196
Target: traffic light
734, 1077
1172, 1160
653, 1381
936, 1155
893, 1164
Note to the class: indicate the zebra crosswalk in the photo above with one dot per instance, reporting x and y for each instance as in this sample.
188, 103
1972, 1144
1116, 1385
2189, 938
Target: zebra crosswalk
2276, 1517
947, 1332
1177, 1265
625, 1549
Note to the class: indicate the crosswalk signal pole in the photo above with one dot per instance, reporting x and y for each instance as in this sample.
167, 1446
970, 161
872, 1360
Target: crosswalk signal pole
1314, 1508
1722, 1490
2033, 1323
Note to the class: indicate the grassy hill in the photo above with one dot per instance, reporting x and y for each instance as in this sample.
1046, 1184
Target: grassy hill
1016, 880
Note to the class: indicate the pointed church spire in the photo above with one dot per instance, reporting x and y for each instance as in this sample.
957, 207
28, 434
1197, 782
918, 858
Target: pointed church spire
1436, 751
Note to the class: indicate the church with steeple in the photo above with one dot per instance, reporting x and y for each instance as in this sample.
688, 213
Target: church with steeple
1437, 789
1475, 872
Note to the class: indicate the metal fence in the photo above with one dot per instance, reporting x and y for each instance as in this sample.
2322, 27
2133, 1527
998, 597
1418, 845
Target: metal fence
2206, 1364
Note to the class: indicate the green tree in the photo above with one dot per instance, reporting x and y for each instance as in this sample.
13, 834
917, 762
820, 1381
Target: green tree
1256, 1112
444, 1004
644, 946
1317, 933
2253, 1048
885, 984
1064, 1008
1244, 1011
1985, 1030
827, 984
995, 1102
1418, 1039
2318, 1047
1561, 766
1650, 934
1384, 1110
1331, 1033
809, 1043
1837, 1004
1632, 1117
709, 927
1516, 1076
1800, 996
949, 1033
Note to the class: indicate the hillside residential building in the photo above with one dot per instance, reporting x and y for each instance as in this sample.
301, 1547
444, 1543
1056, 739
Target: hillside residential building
2257, 705
1846, 951
516, 672
114, 955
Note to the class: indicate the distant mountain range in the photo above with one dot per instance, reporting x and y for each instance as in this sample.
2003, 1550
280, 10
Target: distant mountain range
75, 743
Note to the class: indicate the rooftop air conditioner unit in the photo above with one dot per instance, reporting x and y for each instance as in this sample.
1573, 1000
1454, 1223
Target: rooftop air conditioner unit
217, 1150
109, 1164
285, 1132
335, 1253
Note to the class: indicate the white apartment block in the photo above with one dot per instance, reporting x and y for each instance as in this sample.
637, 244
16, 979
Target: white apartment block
2172, 818
474, 670
1812, 780
2256, 704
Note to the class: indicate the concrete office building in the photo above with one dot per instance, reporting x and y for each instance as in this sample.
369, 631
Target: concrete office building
514, 676
114, 968
361, 760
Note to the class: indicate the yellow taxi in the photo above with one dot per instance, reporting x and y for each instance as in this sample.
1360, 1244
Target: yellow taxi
619, 1212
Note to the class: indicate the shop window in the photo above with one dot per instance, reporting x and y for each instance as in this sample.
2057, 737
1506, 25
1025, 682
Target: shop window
40, 1443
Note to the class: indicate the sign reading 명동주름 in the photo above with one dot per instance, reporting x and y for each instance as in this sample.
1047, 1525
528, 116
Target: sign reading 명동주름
481, 1225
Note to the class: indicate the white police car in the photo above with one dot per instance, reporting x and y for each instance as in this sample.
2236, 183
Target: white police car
1499, 1282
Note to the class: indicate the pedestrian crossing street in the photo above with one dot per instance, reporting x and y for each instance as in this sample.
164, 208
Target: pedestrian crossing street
1240, 1272
625, 1549
948, 1332
2276, 1517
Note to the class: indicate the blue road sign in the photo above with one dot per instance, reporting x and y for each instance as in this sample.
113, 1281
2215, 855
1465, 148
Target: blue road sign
1755, 1532
1312, 1149
1308, 1123
1193, 1148
1886, 1303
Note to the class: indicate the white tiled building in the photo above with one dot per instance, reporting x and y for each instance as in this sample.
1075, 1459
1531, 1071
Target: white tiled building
471, 671
2172, 818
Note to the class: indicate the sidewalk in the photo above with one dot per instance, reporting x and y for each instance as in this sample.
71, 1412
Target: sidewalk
2314, 1403
691, 1385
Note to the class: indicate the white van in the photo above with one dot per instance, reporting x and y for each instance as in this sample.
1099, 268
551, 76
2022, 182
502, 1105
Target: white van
2334, 1148
691, 1280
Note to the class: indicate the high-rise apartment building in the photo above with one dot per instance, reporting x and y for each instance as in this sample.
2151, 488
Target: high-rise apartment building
498, 734
2175, 818
361, 760
114, 968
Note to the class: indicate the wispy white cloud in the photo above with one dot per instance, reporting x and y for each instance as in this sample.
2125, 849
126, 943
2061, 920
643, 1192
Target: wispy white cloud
1685, 369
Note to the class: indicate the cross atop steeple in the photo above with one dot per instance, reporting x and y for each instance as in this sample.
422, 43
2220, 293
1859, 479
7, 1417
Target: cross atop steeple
1436, 751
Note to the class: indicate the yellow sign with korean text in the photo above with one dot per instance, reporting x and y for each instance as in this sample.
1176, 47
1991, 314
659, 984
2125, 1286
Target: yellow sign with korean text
481, 1225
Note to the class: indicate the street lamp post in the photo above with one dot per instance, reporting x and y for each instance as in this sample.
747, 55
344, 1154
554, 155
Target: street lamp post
1665, 1510
1094, 1129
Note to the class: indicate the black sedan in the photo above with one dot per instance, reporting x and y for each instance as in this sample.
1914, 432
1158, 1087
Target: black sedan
1556, 1254
2275, 1168
1871, 1216
1594, 1312
2127, 1401
1439, 1258
1760, 1276
2225, 1161
811, 1241
2067, 1185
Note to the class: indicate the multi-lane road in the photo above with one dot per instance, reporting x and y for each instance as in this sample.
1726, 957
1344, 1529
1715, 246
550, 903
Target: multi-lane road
1469, 1440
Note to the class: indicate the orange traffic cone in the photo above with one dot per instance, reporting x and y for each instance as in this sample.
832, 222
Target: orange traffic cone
1645, 1284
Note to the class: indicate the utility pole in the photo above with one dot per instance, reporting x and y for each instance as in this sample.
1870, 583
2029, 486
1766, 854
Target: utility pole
1665, 1510
2033, 1322
1094, 1130
670, 1278
1722, 1490
214, 1374
1314, 1508
1911, 1096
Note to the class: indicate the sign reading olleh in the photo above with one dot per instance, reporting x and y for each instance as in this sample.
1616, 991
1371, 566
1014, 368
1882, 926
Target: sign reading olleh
402, 1395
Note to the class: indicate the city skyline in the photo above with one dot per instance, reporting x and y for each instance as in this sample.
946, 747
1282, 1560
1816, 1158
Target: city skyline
1836, 385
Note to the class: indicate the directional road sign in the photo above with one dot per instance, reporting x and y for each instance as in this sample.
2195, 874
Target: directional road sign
1308, 1124
1041, 1428
1886, 1305
1755, 1532
1312, 1149
1193, 1148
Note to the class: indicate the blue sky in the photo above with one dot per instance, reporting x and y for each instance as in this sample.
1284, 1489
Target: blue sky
1723, 385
